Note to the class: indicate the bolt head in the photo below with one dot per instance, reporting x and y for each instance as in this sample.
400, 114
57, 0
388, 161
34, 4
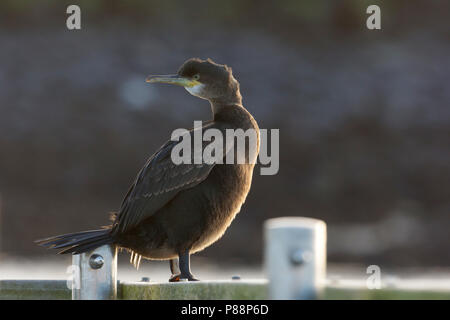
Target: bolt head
96, 261
300, 257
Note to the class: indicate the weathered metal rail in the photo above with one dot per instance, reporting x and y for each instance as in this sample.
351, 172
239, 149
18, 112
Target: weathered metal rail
204, 290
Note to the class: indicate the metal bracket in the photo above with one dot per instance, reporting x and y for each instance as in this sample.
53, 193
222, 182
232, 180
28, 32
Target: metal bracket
96, 274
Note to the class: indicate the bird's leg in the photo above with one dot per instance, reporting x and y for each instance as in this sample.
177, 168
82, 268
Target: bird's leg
184, 266
175, 270
174, 267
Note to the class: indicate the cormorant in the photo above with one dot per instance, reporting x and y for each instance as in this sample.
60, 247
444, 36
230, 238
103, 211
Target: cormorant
172, 211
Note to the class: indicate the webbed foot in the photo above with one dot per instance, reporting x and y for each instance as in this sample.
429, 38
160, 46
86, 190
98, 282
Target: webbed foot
180, 277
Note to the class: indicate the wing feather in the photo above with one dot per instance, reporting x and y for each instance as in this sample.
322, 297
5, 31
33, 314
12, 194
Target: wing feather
156, 184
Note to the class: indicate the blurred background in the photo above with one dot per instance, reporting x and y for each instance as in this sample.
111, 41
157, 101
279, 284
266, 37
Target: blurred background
364, 118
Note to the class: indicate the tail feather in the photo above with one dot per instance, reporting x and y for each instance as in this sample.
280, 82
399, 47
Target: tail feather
77, 242
66, 238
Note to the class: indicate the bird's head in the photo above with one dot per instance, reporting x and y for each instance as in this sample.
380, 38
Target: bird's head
204, 79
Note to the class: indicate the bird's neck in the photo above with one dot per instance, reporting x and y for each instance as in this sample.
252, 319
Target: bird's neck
232, 113
220, 105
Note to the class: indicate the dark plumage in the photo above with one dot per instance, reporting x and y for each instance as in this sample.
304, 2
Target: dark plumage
171, 211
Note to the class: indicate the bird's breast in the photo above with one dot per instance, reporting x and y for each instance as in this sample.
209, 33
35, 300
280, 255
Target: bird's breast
224, 191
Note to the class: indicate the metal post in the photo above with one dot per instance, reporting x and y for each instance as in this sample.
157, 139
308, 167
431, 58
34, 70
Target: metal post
96, 274
295, 257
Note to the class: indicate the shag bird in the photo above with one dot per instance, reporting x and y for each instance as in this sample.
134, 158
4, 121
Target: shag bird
173, 210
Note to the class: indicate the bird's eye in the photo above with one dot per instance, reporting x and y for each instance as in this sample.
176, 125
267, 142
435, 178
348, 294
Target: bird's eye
196, 76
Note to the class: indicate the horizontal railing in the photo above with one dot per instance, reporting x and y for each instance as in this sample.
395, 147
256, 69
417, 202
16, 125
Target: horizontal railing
203, 290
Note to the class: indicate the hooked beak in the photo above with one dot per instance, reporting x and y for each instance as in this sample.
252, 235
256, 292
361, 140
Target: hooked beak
173, 79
